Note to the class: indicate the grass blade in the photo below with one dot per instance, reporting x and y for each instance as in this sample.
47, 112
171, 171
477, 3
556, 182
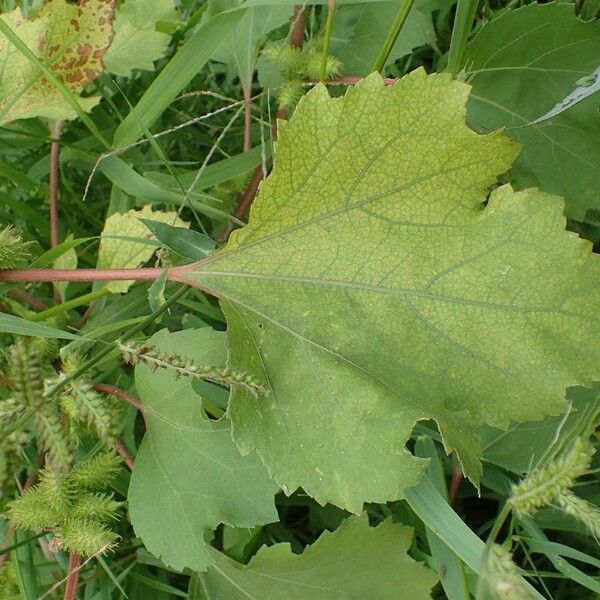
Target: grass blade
429, 505
180, 70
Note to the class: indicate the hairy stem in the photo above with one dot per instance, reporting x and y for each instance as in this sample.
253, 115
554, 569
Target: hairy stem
73, 576
392, 35
55, 128
245, 200
52, 275
124, 454
298, 25
105, 388
327, 38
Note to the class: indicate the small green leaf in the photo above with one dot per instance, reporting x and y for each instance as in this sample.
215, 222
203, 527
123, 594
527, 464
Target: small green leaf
156, 292
355, 561
242, 43
185, 242
188, 475
68, 39
358, 32
67, 260
137, 42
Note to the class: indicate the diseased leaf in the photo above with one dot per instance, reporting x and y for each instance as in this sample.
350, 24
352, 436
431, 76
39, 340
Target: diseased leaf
355, 561
358, 32
523, 64
70, 39
137, 43
371, 289
124, 241
188, 475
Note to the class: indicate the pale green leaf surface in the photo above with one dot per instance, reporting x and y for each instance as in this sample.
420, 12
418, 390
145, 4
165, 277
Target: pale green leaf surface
371, 290
117, 253
355, 561
523, 64
358, 32
188, 475
137, 43
68, 39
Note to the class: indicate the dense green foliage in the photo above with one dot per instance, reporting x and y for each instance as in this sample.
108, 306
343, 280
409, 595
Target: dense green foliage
299, 301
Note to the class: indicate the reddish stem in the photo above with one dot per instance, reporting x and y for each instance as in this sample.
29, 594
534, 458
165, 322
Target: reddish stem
23, 296
122, 450
54, 164
73, 576
298, 26
245, 200
53, 275
105, 388
454, 484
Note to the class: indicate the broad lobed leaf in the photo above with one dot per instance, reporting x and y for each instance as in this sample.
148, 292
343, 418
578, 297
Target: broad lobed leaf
521, 65
188, 475
355, 561
372, 289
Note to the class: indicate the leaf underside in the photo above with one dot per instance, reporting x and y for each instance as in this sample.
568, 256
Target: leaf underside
438, 309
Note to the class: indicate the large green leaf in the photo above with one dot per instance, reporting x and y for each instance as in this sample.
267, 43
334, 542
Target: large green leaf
137, 43
355, 561
188, 475
372, 289
68, 39
523, 64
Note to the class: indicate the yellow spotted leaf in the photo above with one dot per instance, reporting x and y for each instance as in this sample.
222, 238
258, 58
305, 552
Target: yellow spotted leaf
70, 40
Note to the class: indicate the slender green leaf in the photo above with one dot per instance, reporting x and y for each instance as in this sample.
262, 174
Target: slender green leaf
185, 242
19, 326
180, 70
